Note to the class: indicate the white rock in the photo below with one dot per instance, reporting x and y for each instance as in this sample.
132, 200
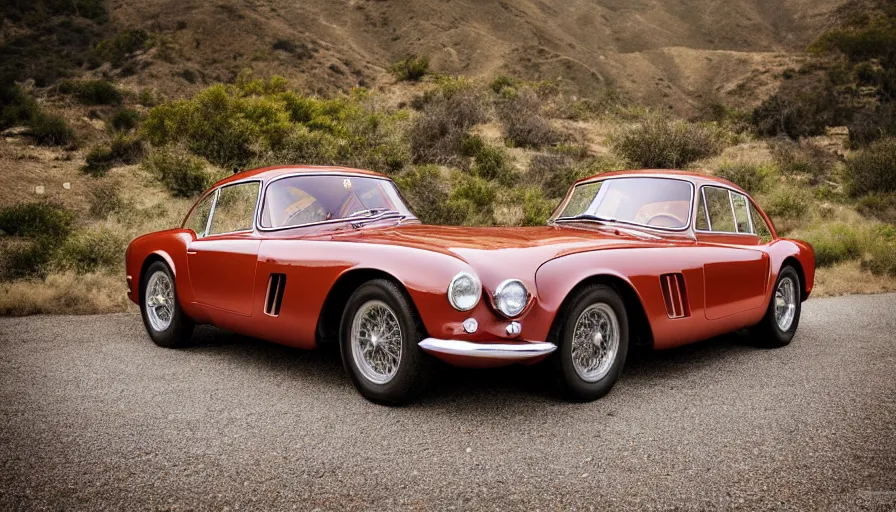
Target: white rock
39, 189
67, 186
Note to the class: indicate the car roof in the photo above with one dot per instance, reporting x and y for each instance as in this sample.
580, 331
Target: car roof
267, 173
696, 177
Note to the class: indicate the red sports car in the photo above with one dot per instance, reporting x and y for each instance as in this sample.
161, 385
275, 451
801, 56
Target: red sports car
306, 255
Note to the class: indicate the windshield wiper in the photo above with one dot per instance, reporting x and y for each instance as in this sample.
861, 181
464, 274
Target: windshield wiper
373, 214
586, 216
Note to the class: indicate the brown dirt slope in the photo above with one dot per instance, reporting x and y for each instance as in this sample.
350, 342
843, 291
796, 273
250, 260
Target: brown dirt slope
678, 53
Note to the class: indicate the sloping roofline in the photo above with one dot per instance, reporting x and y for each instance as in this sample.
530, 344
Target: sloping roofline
267, 173
697, 178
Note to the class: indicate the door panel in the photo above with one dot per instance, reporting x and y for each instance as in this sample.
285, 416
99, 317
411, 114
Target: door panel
735, 280
222, 270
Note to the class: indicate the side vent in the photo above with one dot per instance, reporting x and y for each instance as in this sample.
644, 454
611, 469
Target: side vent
674, 295
275, 294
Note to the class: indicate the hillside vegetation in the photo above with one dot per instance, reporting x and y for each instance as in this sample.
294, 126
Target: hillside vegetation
91, 160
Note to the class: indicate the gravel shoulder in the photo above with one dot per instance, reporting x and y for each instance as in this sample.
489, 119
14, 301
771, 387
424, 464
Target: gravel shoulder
93, 416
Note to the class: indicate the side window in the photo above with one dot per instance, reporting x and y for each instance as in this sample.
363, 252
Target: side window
762, 230
701, 223
741, 217
235, 208
718, 204
198, 219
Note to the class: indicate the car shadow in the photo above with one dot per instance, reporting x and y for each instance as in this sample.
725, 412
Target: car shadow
453, 386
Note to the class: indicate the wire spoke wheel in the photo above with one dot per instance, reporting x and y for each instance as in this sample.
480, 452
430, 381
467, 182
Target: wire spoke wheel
785, 303
376, 341
159, 301
595, 342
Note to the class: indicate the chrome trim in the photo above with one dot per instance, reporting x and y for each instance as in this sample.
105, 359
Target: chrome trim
686, 227
506, 351
266, 186
731, 204
451, 286
500, 289
211, 213
513, 329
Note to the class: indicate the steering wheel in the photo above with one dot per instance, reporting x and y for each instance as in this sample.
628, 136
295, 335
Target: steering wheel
664, 215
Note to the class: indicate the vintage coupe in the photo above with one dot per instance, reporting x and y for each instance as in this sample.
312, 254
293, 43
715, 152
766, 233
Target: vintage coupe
306, 255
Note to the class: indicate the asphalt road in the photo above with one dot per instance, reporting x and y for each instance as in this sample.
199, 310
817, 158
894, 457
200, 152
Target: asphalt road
93, 416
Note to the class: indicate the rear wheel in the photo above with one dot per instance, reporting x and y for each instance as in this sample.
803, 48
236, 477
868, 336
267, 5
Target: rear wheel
378, 340
783, 314
165, 321
593, 343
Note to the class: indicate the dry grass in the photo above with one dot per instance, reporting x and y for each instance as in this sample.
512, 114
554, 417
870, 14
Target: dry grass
65, 293
848, 278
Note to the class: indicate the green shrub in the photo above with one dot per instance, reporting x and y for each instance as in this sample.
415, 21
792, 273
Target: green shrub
493, 163
536, 207
869, 125
665, 143
834, 243
798, 110
93, 249
880, 253
437, 135
524, 123
878, 205
427, 194
502, 82
92, 92
124, 119
874, 169
122, 150
479, 192
801, 158
875, 41
16, 107
117, 48
750, 177
105, 199
787, 202
23, 258
411, 68
39, 220
183, 174
50, 130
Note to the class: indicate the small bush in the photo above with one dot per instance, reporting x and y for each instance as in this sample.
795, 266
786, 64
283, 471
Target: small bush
536, 207
105, 199
117, 48
92, 92
22, 258
38, 220
502, 82
493, 163
124, 119
834, 243
874, 168
122, 150
661, 142
448, 114
878, 205
427, 195
869, 125
801, 158
798, 110
524, 123
183, 174
16, 107
787, 203
880, 253
91, 250
411, 68
50, 130
750, 177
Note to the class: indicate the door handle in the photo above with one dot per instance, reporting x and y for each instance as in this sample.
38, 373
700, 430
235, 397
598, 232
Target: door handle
190, 252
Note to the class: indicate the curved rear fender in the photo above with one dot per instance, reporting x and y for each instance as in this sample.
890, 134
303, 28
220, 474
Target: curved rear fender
798, 253
168, 246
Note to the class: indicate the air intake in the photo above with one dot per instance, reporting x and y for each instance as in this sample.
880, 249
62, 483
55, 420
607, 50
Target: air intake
276, 284
674, 295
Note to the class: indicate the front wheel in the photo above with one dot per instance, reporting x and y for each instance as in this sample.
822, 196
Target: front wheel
593, 343
378, 341
783, 314
165, 321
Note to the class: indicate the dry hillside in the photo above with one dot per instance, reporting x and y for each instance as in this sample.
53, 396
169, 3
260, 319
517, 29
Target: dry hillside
680, 53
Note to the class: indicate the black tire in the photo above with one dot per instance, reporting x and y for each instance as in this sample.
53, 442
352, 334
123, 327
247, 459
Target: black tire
414, 367
768, 333
572, 383
180, 329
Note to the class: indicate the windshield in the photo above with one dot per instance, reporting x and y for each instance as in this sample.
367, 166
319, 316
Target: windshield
301, 200
655, 202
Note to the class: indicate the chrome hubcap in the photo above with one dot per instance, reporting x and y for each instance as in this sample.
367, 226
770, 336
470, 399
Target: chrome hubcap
376, 342
159, 301
595, 342
785, 303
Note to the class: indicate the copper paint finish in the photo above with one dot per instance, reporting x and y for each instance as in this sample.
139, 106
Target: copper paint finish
728, 279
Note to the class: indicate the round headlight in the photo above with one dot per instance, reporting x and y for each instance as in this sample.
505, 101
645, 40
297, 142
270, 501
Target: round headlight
511, 297
464, 291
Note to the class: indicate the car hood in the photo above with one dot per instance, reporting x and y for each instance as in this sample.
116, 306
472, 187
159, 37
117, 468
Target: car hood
498, 253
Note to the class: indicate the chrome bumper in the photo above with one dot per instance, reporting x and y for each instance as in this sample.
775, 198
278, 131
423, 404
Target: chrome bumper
505, 351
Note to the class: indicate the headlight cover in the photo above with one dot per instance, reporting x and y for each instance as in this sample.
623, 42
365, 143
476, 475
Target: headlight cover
511, 297
464, 291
